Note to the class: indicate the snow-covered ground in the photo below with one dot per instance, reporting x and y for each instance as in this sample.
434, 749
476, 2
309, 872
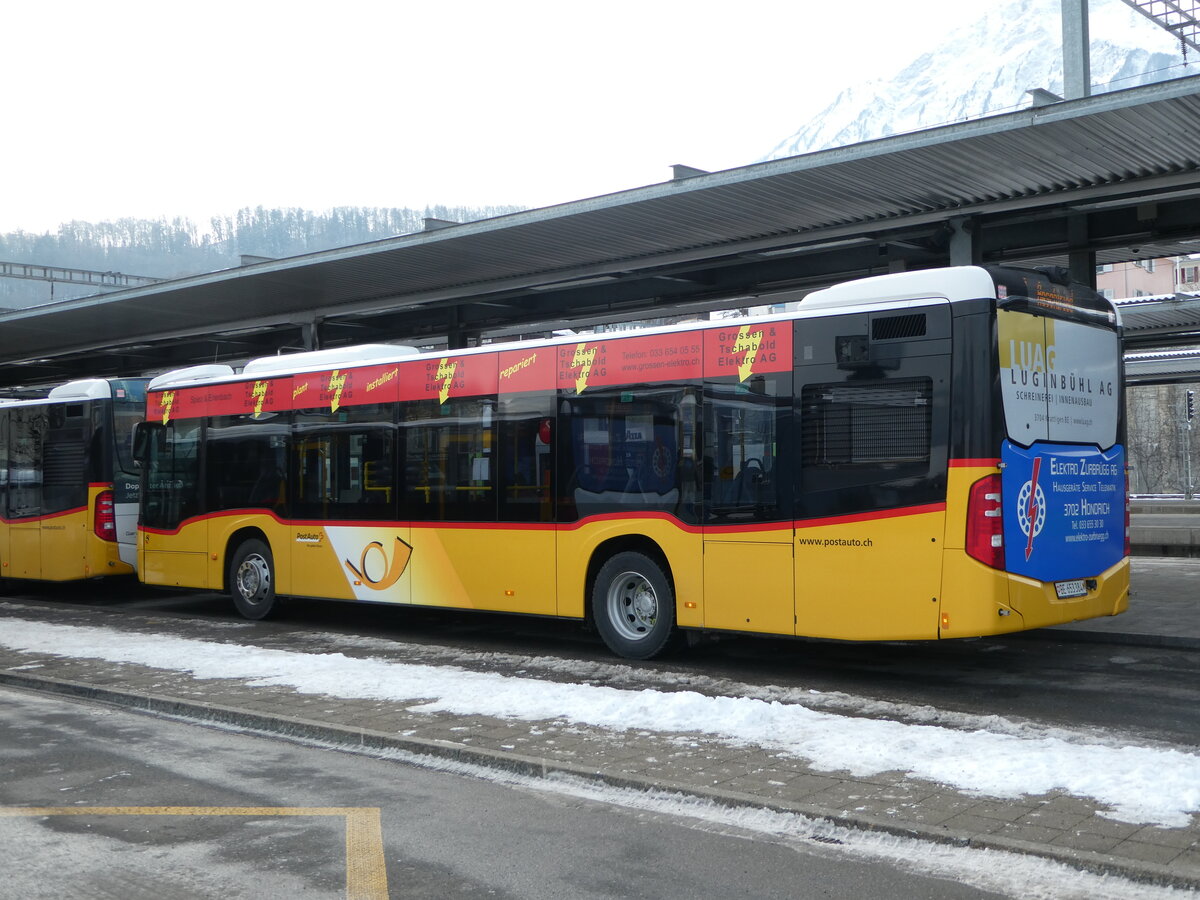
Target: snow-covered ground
1135, 783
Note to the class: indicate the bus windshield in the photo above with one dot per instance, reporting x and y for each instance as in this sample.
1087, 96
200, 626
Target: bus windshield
129, 406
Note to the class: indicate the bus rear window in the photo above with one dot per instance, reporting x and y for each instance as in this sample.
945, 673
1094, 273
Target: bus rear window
1060, 380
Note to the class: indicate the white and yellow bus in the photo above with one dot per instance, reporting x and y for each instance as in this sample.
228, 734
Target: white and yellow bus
68, 483
925, 455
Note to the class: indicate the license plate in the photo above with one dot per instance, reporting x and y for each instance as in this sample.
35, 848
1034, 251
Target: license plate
1068, 589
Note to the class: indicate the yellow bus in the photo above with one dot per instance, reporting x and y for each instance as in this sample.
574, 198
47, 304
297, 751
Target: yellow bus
68, 483
925, 455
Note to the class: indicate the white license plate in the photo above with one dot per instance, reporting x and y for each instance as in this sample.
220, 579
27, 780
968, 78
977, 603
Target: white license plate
1068, 589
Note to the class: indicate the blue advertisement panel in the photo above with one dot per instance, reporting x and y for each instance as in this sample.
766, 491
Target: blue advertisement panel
1064, 510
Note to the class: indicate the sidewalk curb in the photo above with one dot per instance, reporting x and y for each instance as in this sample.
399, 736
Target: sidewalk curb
367, 741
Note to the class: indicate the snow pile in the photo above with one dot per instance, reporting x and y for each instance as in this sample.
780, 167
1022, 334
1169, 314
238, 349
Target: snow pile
1146, 785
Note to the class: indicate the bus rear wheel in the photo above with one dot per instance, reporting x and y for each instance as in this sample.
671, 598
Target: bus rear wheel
252, 580
633, 605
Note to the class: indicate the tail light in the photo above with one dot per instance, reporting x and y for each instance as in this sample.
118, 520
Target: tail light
105, 523
985, 522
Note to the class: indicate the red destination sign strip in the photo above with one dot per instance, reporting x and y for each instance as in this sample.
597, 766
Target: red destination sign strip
730, 351
446, 377
745, 350
633, 360
527, 370
232, 399
346, 387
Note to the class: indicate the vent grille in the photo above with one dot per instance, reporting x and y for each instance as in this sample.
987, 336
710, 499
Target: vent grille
894, 328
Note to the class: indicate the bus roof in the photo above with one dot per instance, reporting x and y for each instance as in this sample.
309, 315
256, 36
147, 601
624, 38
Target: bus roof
83, 389
954, 284
895, 291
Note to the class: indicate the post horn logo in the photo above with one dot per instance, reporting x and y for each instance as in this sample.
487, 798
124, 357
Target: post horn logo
393, 568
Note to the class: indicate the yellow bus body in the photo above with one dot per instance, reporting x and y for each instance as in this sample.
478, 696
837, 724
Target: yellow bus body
900, 576
59, 547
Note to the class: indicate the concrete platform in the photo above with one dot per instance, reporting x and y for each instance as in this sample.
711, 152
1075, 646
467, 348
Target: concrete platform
1165, 527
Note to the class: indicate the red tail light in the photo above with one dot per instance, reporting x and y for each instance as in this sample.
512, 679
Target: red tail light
985, 522
105, 524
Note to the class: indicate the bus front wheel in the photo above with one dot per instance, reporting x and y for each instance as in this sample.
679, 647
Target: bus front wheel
252, 580
634, 605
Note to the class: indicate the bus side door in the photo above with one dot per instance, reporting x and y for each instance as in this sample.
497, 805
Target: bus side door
748, 571
346, 541
173, 544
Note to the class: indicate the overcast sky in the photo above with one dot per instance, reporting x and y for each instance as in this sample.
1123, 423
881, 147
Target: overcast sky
192, 109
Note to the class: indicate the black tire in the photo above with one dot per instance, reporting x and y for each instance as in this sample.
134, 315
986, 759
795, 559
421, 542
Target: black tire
633, 606
252, 580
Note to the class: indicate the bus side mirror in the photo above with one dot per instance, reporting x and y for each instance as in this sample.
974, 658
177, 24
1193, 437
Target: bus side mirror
141, 443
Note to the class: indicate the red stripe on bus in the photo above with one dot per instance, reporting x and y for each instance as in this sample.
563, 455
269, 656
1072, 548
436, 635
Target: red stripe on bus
227, 513
872, 516
628, 517
974, 463
65, 512
748, 528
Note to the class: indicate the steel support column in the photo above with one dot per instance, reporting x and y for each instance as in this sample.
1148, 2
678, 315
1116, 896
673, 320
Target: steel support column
1077, 67
964, 247
1080, 260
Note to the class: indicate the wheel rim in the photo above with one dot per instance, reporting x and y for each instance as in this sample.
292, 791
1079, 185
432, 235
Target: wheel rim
632, 605
254, 579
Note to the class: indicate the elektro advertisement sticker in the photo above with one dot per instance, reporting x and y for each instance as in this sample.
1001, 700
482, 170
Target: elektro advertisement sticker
1064, 510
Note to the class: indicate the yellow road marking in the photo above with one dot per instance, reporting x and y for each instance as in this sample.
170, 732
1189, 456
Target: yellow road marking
366, 872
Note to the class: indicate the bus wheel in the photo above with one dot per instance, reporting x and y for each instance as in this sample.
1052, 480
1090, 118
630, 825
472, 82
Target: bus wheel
252, 580
634, 606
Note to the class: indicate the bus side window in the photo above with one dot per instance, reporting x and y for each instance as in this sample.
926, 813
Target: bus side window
742, 437
171, 474
347, 473
525, 457
27, 431
449, 459
246, 463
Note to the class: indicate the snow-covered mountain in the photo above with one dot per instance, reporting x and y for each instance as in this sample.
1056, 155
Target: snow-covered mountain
985, 68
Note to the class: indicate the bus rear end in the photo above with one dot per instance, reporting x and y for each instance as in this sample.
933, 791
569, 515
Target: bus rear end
1037, 489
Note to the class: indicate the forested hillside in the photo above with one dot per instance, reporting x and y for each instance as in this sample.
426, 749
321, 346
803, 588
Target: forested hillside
170, 249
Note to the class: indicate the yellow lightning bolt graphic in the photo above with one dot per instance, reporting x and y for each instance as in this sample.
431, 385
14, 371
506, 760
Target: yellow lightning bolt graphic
747, 343
445, 374
260, 396
168, 402
336, 384
583, 358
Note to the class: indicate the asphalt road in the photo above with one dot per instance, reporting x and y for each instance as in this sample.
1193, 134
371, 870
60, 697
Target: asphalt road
182, 811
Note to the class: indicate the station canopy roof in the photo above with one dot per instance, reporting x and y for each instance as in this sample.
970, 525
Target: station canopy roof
1117, 174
